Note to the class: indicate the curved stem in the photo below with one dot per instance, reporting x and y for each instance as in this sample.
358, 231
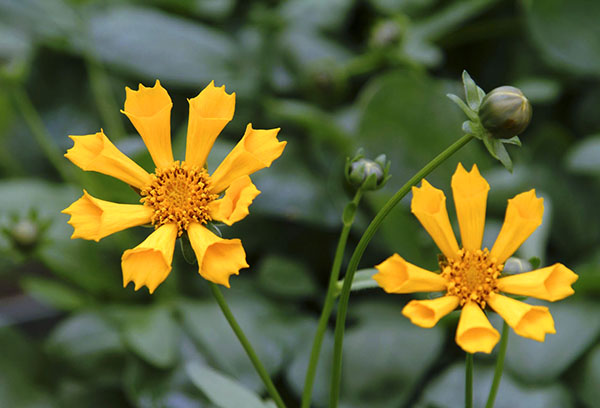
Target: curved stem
499, 367
260, 369
469, 381
357, 255
329, 301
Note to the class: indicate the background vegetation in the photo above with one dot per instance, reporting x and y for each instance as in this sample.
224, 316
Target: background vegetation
334, 75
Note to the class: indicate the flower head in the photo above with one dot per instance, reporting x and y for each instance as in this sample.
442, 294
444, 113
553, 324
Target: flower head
179, 197
471, 277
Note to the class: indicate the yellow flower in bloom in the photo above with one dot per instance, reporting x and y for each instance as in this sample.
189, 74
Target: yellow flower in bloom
471, 277
179, 196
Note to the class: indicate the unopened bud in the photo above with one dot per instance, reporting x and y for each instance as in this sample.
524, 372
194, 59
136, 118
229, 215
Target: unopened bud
368, 174
505, 112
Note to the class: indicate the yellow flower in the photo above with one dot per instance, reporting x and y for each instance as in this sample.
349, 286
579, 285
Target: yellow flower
470, 276
179, 196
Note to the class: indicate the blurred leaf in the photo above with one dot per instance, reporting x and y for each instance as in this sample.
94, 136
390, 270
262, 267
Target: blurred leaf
222, 390
577, 327
588, 388
363, 279
311, 14
286, 278
584, 157
447, 390
48, 19
150, 331
567, 33
141, 40
55, 293
539, 90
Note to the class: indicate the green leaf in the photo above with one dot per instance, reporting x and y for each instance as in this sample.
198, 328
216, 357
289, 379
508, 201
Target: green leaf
222, 390
471, 91
587, 386
461, 104
54, 293
363, 279
498, 151
513, 141
584, 157
286, 278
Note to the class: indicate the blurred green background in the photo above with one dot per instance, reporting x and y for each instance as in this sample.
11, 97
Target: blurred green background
335, 75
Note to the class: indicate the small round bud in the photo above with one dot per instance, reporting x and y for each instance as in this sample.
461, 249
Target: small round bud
367, 174
360, 170
505, 112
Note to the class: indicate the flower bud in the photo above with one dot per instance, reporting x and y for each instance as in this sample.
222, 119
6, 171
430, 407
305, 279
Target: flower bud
367, 174
505, 112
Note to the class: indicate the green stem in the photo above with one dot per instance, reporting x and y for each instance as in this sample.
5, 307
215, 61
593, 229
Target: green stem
260, 369
39, 132
329, 300
499, 367
357, 255
469, 381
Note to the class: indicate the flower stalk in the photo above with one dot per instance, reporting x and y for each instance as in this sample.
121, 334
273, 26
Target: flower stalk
359, 251
469, 381
499, 367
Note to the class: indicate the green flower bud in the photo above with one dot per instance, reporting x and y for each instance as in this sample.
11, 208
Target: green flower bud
367, 174
505, 112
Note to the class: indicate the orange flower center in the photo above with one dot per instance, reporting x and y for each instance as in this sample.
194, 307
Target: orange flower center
471, 276
179, 195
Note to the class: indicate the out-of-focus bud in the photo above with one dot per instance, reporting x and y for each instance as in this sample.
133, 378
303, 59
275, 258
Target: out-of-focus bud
367, 174
25, 232
505, 112
387, 33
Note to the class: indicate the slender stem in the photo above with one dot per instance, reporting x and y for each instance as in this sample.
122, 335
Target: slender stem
260, 369
357, 255
328, 305
469, 381
39, 131
499, 367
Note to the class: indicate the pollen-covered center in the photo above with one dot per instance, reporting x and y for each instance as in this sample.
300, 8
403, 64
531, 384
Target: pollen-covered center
472, 276
179, 195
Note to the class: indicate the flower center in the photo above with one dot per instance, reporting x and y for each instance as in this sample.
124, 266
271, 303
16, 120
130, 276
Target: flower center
179, 195
472, 276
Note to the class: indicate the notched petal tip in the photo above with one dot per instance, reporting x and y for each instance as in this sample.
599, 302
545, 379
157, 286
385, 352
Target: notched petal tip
551, 283
426, 313
146, 101
398, 276
475, 333
233, 207
468, 184
427, 199
529, 321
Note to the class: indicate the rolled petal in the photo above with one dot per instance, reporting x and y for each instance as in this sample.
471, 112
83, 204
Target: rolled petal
398, 276
426, 313
470, 192
218, 258
257, 150
95, 219
210, 112
233, 207
149, 110
97, 153
149, 263
533, 322
551, 283
475, 333
523, 215
429, 206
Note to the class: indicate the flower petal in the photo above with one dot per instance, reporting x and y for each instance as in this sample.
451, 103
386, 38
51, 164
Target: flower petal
528, 321
95, 219
97, 153
149, 109
470, 192
233, 207
551, 283
210, 112
426, 313
218, 258
523, 215
429, 206
398, 276
475, 333
149, 263
257, 150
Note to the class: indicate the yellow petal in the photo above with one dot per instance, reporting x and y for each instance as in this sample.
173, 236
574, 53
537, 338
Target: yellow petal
210, 112
475, 333
426, 313
398, 276
233, 207
528, 321
551, 283
218, 258
149, 263
257, 150
97, 153
95, 219
429, 206
523, 215
149, 109
470, 192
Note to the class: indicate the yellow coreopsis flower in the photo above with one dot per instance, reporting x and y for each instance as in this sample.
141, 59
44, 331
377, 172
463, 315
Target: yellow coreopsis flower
471, 276
179, 196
